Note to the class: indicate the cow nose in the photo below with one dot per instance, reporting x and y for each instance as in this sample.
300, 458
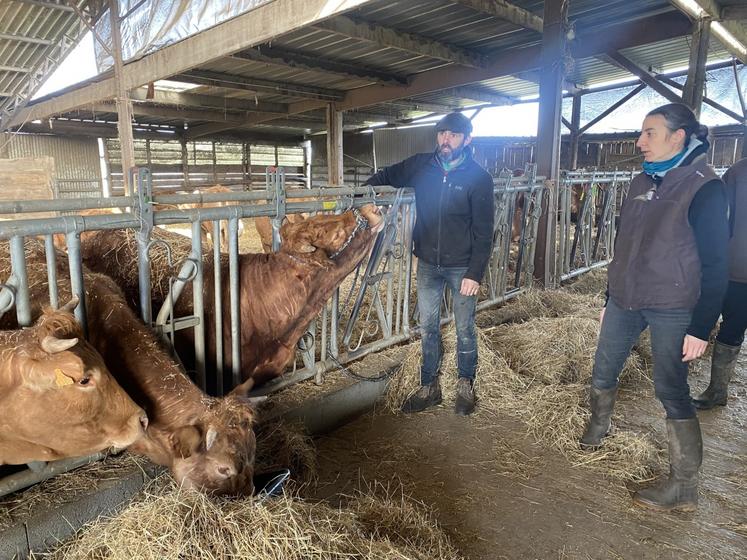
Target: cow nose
226, 471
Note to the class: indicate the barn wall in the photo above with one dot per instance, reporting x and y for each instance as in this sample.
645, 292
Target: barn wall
77, 170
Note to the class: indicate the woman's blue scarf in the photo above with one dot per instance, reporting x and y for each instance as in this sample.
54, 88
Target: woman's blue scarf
660, 168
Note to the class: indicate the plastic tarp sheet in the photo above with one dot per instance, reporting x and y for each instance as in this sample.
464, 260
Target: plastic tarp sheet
150, 25
721, 87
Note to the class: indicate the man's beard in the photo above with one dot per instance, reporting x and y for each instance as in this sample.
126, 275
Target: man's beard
447, 154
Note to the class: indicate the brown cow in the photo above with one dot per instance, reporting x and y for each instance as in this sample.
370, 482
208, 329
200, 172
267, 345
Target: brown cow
207, 442
280, 293
57, 397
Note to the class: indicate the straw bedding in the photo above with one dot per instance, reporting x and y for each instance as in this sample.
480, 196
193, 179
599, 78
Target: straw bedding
537, 367
168, 523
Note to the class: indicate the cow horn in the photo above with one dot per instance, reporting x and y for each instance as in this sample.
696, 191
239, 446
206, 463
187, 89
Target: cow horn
71, 305
212, 433
52, 345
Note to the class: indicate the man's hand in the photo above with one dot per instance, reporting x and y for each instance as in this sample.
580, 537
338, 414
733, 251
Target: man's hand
601, 316
469, 287
693, 348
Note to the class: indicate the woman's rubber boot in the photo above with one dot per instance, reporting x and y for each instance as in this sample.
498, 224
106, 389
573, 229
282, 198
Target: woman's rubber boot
723, 364
679, 491
602, 402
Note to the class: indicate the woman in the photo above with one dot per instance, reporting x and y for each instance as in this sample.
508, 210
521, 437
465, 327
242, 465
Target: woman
669, 273
734, 311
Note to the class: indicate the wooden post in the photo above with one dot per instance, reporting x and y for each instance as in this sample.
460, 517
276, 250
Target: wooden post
548, 133
575, 136
334, 146
185, 163
124, 105
692, 94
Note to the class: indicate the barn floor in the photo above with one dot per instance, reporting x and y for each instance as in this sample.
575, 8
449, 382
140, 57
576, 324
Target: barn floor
500, 496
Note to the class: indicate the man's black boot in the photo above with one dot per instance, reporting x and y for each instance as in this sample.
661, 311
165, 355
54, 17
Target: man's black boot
465, 397
425, 397
679, 491
723, 364
602, 402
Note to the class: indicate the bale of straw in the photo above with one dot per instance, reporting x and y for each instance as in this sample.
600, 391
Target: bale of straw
168, 523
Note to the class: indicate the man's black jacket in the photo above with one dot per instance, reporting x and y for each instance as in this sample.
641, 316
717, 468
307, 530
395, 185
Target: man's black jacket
454, 224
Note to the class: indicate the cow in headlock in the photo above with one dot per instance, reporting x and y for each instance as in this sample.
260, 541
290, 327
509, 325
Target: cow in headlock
207, 442
280, 293
57, 397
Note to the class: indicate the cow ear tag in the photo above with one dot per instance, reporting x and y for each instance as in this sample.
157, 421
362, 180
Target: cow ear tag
61, 379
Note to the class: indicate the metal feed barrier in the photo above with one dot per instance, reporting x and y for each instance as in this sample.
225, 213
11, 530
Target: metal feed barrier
372, 313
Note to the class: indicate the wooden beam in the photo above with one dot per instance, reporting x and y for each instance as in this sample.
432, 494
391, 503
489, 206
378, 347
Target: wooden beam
193, 100
575, 131
507, 11
619, 36
392, 38
335, 170
721, 24
187, 114
292, 59
692, 94
233, 81
124, 104
25, 39
16, 69
479, 94
617, 104
252, 28
645, 76
548, 133
47, 5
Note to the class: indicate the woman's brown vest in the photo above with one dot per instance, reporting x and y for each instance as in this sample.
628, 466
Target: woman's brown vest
656, 263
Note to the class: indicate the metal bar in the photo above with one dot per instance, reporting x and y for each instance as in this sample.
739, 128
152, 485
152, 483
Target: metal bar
198, 308
51, 254
233, 280
18, 264
76, 277
218, 309
63, 205
144, 215
610, 109
24, 479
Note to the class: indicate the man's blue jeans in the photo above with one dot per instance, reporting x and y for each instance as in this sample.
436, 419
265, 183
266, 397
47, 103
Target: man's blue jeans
430, 289
621, 329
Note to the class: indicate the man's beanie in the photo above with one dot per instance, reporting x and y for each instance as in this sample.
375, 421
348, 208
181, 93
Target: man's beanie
455, 122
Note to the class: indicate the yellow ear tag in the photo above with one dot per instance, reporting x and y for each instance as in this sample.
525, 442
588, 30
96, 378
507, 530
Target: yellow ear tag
61, 379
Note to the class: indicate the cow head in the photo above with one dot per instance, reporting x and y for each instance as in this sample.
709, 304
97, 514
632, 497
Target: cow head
65, 400
216, 454
331, 234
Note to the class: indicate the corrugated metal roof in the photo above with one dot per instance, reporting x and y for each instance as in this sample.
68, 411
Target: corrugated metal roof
450, 23
34, 38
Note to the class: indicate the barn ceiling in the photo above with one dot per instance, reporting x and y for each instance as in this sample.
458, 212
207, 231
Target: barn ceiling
381, 61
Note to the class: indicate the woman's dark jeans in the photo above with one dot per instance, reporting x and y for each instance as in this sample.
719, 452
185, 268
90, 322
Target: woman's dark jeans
430, 289
734, 315
620, 331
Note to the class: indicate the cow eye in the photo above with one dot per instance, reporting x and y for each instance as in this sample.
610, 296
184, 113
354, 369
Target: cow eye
84, 381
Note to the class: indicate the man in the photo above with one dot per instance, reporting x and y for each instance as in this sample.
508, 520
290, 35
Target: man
452, 240
734, 310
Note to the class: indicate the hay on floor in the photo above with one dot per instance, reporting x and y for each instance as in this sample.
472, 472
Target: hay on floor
543, 303
168, 523
555, 350
284, 445
593, 282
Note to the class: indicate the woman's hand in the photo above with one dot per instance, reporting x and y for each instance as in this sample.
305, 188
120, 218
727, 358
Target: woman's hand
693, 348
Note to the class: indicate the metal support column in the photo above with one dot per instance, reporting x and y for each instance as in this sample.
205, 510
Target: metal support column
124, 105
692, 95
548, 132
334, 146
